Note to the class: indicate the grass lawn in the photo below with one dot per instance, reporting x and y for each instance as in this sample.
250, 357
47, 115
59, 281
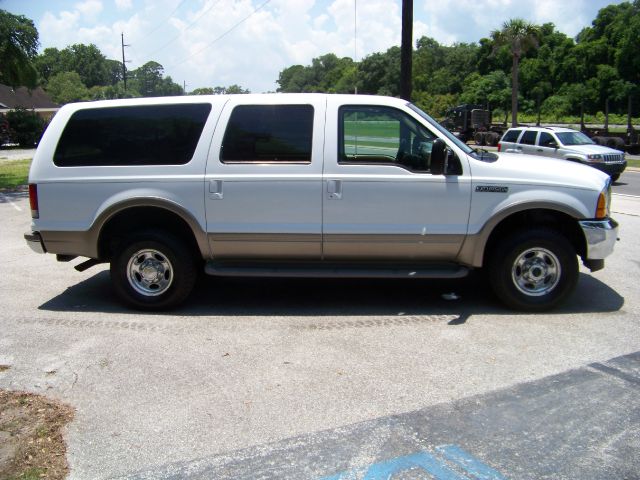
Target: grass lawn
14, 173
633, 163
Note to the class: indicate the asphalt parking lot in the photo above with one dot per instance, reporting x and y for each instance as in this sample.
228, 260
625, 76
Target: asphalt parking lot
331, 379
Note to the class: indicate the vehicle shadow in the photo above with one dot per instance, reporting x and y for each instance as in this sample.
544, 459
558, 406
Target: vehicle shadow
460, 298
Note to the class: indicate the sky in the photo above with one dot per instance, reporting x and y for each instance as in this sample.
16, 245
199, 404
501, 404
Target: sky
208, 43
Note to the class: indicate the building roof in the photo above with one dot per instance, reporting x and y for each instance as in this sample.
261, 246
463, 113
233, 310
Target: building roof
23, 97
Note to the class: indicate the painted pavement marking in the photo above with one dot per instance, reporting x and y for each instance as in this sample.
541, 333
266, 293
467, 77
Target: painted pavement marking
6, 199
449, 462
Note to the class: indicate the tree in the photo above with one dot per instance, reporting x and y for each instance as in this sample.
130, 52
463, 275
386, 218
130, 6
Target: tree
149, 81
520, 36
235, 89
492, 89
25, 127
18, 48
441, 70
66, 87
327, 73
380, 73
90, 64
49, 63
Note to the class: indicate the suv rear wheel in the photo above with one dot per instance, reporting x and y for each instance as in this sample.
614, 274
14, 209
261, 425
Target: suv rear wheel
153, 270
533, 270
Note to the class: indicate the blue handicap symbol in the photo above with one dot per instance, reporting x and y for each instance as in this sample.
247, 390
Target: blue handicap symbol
449, 462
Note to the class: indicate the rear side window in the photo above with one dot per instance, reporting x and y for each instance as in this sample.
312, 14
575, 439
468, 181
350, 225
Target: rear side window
529, 137
136, 135
268, 134
511, 136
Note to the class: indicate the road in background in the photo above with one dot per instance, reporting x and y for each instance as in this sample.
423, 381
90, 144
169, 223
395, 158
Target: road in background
628, 183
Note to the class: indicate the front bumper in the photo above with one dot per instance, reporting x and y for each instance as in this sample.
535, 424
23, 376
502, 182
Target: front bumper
34, 240
610, 168
601, 236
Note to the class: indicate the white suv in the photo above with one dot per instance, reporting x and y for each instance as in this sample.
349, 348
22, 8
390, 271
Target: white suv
305, 185
566, 144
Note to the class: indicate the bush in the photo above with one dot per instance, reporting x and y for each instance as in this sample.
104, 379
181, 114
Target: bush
25, 127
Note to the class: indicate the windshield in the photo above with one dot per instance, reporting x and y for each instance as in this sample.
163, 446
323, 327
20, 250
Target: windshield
441, 129
574, 138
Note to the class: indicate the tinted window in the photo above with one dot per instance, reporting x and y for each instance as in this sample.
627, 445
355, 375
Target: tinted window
545, 139
137, 135
529, 137
511, 136
381, 135
574, 138
268, 133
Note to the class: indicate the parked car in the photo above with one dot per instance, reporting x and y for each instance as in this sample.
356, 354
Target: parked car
308, 185
566, 144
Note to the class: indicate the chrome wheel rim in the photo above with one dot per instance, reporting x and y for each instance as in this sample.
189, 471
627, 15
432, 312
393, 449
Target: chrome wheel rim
536, 272
149, 272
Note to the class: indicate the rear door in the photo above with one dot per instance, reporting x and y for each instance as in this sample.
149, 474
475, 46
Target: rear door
527, 143
509, 141
263, 179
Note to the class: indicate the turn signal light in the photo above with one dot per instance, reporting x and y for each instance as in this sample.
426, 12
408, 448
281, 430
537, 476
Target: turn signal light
601, 211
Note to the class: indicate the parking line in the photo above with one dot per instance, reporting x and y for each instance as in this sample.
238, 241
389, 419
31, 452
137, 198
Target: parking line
9, 201
625, 195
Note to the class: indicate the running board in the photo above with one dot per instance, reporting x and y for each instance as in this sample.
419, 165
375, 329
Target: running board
335, 271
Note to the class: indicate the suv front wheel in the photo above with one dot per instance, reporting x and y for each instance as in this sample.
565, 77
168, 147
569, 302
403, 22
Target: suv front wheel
533, 270
153, 270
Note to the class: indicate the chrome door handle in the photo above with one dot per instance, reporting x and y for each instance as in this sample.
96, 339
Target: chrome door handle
215, 189
334, 189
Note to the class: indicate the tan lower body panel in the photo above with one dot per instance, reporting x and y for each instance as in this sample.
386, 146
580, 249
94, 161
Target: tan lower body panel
248, 246
336, 247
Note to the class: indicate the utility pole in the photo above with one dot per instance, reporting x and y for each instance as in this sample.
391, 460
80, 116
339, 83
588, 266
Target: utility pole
184, 87
406, 49
124, 68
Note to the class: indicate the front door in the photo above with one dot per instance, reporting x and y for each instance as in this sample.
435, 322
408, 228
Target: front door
381, 201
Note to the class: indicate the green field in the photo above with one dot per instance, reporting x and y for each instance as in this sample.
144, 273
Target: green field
14, 173
379, 135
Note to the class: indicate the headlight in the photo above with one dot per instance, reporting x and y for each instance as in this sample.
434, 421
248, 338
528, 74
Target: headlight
604, 202
595, 157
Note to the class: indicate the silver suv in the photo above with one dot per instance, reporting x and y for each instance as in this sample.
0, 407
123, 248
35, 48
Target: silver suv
566, 144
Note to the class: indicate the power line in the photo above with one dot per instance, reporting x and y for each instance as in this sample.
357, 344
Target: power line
184, 29
163, 21
223, 35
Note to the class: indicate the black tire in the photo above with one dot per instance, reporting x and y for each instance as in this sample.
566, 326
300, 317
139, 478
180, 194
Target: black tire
599, 140
171, 270
479, 138
615, 177
533, 270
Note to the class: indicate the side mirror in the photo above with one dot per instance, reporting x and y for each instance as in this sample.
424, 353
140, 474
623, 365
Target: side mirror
438, 157
552, 144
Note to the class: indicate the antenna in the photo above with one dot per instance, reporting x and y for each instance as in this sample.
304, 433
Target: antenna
355, 38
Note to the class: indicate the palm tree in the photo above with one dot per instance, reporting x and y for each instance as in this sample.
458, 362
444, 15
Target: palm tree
521, 36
